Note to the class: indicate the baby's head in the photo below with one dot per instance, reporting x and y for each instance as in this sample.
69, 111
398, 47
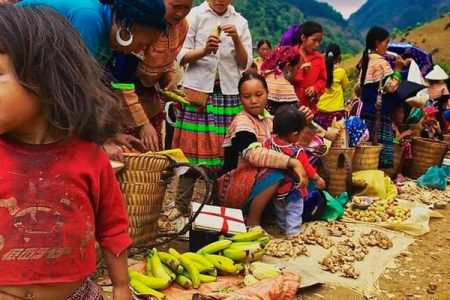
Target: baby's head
50, 62
288, 124
398, 115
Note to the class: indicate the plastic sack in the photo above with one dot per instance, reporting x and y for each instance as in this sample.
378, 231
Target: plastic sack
435, 178
335, 206
373, 183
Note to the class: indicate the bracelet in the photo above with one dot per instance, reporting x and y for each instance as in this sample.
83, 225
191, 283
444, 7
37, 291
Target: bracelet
397, 75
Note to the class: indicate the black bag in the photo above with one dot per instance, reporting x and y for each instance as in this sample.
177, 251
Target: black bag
314, 205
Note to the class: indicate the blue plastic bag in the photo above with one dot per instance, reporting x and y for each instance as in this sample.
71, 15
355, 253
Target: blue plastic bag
435, 178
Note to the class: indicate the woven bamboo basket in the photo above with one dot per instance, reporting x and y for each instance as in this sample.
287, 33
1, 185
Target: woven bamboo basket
143, 190
447, 140
338, 161
366, 157
416, 128
398, 154
427, 153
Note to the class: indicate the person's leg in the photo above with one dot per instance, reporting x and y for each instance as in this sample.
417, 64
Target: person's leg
258, 204
281, 214
294, 211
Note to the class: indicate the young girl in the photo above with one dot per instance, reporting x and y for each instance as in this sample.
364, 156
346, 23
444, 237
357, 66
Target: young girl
215, 61
58, 192
264, 47
331, 103
404, 139
288, 124
243, 184
431, 128
378, 86
310, 80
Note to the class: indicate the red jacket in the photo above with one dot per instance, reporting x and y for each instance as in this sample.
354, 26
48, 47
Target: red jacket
315, 76
56, 200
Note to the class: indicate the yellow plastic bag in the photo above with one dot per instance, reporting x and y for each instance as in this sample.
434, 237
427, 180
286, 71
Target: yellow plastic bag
373, 183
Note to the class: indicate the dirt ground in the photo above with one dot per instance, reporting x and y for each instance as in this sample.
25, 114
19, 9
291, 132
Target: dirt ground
424, 273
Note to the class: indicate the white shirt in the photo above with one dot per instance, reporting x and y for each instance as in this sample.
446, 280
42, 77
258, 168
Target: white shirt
201, 74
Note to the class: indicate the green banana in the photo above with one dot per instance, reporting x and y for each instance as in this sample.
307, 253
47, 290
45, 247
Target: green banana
202, 268
179, 92
222, 263
239, 267
215, 247
175, 97
222, 237
183, 281
194, 274
151, 282
148, 266
258, 255
264, 240
207, 278
174, 253
252, 235
172, 262
145, 290
236, 254
244, 246
210, 272
156, 265
169, 272
199, 259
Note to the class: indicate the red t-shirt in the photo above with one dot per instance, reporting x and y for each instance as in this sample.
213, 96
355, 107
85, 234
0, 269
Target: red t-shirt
55, 201
315, 76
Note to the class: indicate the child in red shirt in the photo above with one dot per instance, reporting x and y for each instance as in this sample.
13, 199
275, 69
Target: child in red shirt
58, 192
287, 126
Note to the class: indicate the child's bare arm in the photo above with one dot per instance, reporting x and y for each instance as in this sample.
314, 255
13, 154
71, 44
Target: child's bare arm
118, 272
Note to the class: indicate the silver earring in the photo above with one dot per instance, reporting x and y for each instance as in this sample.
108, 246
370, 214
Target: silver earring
122, 42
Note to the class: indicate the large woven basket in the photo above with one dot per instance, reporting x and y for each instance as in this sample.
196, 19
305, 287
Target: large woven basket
447, 140
398, 154
143, 191
338, 162
366, 157
427, 153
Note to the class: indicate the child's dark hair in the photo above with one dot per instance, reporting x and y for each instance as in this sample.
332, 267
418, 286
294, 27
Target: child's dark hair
49, 59
264, 42
374, 35
149, 13
288, 119
307, 29
250, 76
332, 56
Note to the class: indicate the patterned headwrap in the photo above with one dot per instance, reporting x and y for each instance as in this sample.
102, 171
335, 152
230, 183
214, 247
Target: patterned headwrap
279, 57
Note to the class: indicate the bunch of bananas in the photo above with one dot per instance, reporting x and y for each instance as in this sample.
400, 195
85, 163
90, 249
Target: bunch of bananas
226, 256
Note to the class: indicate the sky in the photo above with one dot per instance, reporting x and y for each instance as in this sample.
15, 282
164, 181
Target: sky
345, 7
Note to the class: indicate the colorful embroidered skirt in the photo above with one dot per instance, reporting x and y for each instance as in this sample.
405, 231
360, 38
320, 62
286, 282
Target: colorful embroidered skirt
385, 137
324, 119
239, 187
200, 131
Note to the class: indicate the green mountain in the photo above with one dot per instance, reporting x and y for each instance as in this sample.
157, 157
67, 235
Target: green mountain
268, 19
400, 14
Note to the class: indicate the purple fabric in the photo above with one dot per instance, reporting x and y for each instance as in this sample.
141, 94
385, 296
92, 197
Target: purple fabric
289, 216
423, 59
287, 39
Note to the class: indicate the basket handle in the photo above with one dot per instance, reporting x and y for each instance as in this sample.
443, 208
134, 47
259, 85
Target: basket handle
209, 184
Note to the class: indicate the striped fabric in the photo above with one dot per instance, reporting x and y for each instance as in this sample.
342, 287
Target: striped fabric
87, 291
200, 132
378, 69
385, 137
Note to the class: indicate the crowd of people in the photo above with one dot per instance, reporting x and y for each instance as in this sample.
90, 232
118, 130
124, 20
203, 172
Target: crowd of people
258, 124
